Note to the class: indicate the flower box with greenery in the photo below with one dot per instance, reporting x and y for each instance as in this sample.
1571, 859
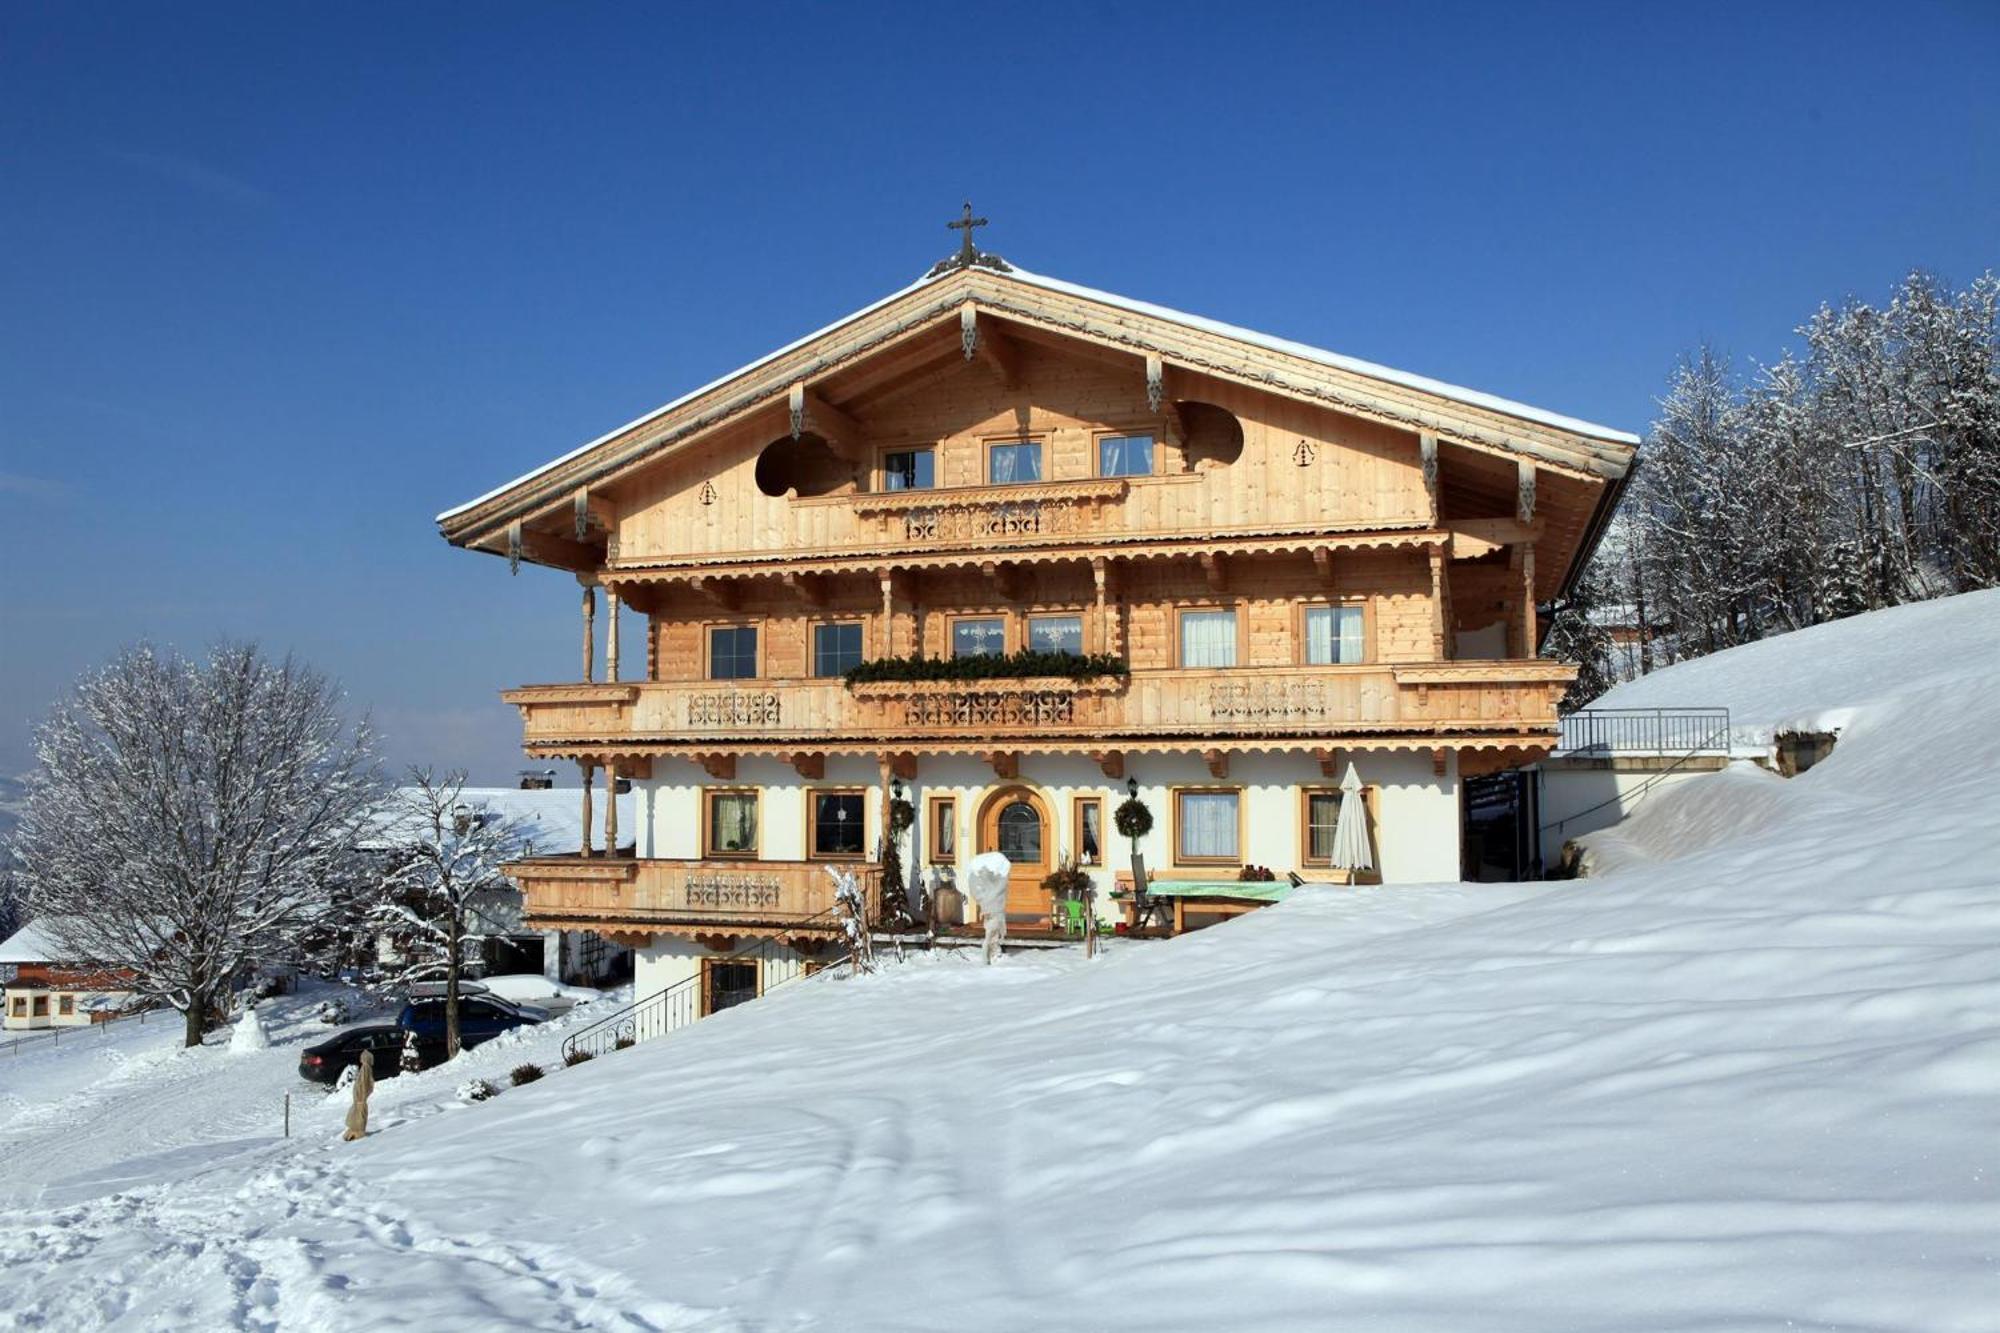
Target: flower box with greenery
1055, 669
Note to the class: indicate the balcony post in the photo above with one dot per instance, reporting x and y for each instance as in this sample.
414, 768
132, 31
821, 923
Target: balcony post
589, 636
589, 776
611, 806
1528, 599
611, 635
888, 613
1437, 603
1097, 576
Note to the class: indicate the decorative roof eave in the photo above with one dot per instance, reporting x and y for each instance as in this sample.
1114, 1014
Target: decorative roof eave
1404, 739
872, 560
1062, 310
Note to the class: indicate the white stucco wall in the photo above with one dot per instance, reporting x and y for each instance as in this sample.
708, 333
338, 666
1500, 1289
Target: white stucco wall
1579, 798
1419, 810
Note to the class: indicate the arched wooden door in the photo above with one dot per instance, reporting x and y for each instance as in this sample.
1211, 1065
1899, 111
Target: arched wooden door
1015, 823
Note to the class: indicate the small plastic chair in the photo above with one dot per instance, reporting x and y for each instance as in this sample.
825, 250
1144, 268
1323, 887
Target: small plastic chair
1072, 913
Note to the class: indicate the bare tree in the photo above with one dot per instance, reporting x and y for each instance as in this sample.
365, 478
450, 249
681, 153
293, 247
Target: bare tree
186, 816
440, 894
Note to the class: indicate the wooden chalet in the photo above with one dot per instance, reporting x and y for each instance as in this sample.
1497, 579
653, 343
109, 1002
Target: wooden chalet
1297, 561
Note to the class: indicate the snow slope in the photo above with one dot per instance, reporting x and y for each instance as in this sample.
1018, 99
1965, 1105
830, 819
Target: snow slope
1745, 1081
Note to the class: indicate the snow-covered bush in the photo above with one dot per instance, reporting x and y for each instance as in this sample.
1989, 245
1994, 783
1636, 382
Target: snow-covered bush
477, 1090
412, 1059
332, 1012
525, 1073
249, 1035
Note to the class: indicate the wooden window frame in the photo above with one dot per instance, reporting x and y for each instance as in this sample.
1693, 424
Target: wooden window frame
986, 447
934, 820
1097, 438
65, 1006
1366, 605
813, 853
1370, 808
1076, 808
708, 628
1078, 614
1235, 608
708, 852
708, 962
881, 469
1007, 630
812, 642
1174, 795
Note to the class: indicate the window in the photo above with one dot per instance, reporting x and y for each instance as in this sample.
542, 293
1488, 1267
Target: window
1333, 634
20, 1006
732, 823
1125, 456
909, 470
41, 1006
732, 652
1020, 833
979, 638
837, 820
1205, 826
1208, 638
1322, 818
944, 830
1012, 462
1056, 634
66, 1005
836, 648
1090, 830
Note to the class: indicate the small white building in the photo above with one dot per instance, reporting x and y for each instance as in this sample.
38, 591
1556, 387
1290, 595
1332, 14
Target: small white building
45, 986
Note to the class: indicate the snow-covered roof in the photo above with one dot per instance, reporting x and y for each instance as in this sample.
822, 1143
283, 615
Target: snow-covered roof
32, 943
1456, 393
551, 816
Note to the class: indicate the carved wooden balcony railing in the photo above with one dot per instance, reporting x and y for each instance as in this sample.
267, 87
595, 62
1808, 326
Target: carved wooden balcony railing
720, 895
982, 515
1419, 698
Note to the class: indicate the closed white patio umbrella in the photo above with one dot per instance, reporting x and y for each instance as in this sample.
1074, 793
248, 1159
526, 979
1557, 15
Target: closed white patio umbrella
1350, 834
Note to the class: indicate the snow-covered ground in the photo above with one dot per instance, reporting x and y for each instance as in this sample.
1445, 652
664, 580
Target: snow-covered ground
1746, 1080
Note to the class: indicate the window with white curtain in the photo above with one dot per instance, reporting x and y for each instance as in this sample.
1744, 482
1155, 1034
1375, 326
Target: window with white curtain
1205, 826
1333, 635
1056, 634
1125, 456
732, 823
1015, 461
1322, 819
978, 638
1208, 638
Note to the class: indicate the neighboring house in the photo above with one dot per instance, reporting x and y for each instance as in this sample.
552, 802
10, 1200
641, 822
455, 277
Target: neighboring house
1293, 561
551, 822
46, 987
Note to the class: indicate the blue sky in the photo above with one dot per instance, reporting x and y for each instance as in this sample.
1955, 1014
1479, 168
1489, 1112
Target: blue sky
279, 282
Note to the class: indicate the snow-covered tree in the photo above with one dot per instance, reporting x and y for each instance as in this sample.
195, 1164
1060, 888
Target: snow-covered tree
438, 895
186, 816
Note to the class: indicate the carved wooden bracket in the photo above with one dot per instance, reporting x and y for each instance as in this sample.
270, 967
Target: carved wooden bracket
1216, 570
1156, 381
1524, 506
1440, 758
715, 941
901, 764
807, 765
723, 592
1006, 764
1427, 451
721, 767
1323, 564
1111, 762
1007, 578
1329, 763
1217, 761
810, 588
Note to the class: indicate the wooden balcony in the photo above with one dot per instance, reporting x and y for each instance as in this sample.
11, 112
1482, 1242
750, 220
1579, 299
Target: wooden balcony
1428, 703
723, 897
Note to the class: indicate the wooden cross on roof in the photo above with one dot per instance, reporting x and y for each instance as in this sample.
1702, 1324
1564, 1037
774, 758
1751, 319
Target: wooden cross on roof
967, 253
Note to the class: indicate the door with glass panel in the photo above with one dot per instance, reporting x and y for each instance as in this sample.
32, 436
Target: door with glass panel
1015, 823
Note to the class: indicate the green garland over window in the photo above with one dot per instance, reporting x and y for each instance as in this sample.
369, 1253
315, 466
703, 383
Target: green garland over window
1012, 666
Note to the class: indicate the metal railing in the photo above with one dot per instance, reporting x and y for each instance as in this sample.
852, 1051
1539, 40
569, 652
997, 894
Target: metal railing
680, 1004
52, 1034
1661, 731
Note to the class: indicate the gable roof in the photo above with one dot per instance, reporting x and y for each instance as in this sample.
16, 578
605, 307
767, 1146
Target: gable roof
1456, 414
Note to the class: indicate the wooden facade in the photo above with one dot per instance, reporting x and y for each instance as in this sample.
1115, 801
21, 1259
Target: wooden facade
992, 457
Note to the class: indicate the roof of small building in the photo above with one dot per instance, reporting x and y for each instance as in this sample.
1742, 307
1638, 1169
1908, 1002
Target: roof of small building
32, 943
550, 817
